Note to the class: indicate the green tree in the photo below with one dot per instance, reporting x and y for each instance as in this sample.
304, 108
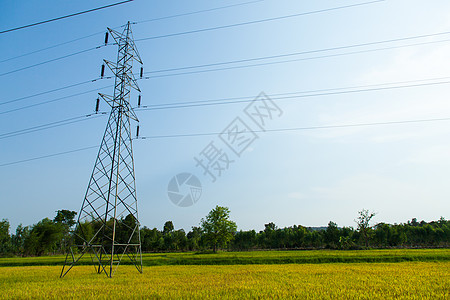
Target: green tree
244, 240
300, 234
168, 227
127, 230
179, 241
194, 238
382, 233
218, 228
43, 238
18, 239
168, 236
268, 236
314, 239
332, 235
84, 231
398, 236
66, 218
5, 238
364, 228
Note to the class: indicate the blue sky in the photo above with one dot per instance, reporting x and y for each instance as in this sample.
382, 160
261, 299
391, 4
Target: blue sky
305, 177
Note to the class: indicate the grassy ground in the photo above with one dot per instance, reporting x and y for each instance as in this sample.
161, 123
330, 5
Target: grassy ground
406, 280
259, 257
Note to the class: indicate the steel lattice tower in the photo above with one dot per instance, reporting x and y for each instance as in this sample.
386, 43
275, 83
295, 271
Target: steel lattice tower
108, 227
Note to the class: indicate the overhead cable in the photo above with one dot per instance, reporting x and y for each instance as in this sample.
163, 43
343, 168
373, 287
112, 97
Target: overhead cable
64, 17
197, 12
257, 21
216, 133
289, 61
47, 92
51, 125
53, 100
317, 93
138, 22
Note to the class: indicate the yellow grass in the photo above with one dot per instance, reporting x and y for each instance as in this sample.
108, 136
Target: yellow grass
409, 280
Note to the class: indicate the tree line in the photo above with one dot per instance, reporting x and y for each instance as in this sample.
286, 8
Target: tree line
217, 231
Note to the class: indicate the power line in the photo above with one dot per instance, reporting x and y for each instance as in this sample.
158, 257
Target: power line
51, 125
138, 22
227, 100
197, 12
47, 156
237, 100
200, 30
64, 17
216, 133
301, 128
291, 95
260, 58
257, 21
47, 92
54, 100
52, 60
298, 92
51, 47
309, 52
288, 61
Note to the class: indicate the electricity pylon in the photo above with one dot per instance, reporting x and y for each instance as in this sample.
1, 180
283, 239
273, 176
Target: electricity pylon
108, 227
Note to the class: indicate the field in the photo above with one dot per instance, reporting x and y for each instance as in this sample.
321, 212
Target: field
419, 274
259, 257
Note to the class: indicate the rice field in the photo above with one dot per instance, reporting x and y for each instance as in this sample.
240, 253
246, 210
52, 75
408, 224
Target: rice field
258, 257
403, 280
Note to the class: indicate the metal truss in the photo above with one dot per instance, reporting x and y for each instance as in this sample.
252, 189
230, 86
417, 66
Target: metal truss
107, 229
